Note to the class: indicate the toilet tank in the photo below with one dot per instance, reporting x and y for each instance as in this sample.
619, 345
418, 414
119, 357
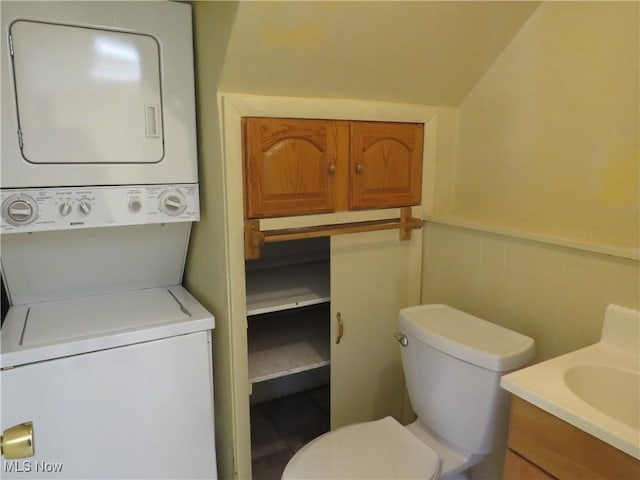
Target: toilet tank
453, 363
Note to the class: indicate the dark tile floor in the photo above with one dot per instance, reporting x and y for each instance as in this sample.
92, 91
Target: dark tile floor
280, 427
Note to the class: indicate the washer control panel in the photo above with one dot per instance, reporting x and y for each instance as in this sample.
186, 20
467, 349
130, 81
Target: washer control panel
41, 209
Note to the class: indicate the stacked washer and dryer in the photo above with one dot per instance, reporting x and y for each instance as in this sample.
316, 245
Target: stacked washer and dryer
105, 357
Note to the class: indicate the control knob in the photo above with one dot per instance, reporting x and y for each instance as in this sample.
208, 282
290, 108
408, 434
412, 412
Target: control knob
65, 208
135, 205
85, 206
172, 202
20, 210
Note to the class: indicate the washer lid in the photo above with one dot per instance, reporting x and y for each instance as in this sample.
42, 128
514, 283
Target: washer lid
47, 330
382, 449
467, 337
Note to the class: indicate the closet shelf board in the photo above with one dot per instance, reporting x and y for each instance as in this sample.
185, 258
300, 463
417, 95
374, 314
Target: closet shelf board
284, 287
296, 342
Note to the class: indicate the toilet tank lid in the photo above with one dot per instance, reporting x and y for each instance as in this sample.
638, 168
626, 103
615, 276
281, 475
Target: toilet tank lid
467, 337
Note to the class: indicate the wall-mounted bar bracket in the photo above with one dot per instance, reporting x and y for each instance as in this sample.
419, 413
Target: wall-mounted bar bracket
254, 238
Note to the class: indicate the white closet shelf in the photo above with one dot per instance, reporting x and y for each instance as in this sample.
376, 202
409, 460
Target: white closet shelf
293, 342
284, 287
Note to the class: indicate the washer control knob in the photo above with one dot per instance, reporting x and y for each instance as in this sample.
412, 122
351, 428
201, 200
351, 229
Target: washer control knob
85, 206
172, 202
135, 205
20, 210
65, 208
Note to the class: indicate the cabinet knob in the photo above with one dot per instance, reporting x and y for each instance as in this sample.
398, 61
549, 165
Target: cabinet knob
332, 168
359, 168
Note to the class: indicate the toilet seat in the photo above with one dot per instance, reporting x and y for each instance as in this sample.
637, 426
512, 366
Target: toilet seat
382, 449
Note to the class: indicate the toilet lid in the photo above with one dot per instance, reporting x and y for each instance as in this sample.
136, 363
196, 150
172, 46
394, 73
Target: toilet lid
382, 449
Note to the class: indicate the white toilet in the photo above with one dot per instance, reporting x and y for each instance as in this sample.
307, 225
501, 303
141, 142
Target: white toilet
452, 362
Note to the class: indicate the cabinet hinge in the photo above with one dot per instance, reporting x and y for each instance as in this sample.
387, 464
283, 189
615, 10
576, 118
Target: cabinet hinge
11, 45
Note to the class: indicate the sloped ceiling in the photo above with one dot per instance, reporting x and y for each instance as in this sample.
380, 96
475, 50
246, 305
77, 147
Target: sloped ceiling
427, 52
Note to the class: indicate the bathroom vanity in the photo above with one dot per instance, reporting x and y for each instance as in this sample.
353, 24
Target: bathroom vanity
578, 415
542, 446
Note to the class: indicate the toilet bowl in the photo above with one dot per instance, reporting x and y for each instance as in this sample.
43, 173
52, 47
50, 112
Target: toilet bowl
453, 363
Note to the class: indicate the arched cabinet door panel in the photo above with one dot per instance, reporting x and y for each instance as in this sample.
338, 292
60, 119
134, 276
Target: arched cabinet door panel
292, 166
385, 164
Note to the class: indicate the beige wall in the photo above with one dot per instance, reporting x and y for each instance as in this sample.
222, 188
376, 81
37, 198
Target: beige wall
429, 53
548, 140
554, 294
206, 269
547, 146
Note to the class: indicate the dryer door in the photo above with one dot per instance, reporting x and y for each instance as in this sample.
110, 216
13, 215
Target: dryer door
87, 95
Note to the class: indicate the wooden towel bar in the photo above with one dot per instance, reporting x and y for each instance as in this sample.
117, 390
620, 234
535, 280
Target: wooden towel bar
254, 238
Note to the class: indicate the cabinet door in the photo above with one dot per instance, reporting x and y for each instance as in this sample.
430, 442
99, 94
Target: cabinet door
564, 450
518, 468
386, 164
292, 166
372, 277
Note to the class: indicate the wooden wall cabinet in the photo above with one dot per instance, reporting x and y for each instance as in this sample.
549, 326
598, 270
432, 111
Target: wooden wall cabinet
305, 166
542, 446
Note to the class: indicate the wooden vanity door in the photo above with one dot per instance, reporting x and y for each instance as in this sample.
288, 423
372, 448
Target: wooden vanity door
518, 468
292, 166
386, 164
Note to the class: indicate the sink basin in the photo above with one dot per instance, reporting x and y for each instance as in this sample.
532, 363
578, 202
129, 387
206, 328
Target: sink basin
613, 391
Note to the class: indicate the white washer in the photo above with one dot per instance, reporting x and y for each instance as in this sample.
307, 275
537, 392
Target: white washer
102, 349
117, 386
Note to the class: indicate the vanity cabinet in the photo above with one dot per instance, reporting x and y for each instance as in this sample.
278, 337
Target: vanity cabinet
541, 446
306, 166
518, 468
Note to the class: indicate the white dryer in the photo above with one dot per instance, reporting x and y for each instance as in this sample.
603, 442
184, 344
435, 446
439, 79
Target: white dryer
97, 93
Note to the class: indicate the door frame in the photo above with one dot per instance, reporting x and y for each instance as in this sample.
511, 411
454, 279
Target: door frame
232, 107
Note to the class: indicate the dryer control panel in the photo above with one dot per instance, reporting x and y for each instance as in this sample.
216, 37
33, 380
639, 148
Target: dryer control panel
42, 209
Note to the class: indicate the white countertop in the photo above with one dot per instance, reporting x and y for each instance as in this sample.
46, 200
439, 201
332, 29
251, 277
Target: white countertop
544, 384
